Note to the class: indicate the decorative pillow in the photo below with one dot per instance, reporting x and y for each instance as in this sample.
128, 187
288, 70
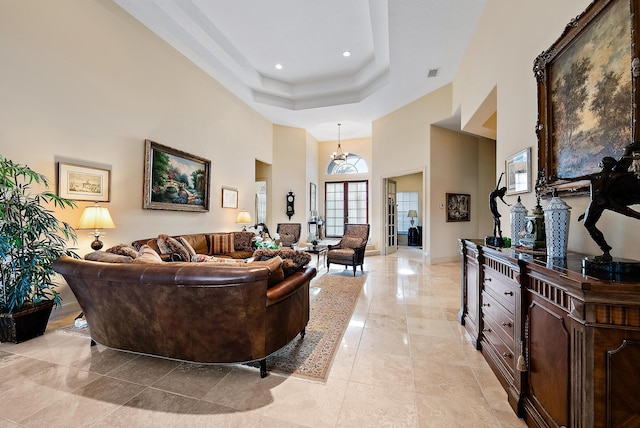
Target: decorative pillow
161, 242
123, 250
242, 241
287, 239
351, 242
221, 243
187, 247
148, 255
103, 256
173, 246
153, 244
275, 266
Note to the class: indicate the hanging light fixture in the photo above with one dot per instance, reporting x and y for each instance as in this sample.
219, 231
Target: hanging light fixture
338, 156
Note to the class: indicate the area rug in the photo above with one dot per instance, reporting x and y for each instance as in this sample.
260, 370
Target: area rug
332, 298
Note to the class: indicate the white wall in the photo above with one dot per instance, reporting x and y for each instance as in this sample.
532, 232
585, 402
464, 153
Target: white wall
84, 82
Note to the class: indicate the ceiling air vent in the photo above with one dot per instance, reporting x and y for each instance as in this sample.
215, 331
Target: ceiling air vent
433, 72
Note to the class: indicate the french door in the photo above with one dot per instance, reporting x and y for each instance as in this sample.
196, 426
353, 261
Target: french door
391, 217
345, 202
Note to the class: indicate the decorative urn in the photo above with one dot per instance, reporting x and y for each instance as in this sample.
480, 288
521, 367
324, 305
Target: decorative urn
518, 220
556, 223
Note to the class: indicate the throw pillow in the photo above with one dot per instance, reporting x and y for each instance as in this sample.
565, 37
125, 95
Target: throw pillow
242, 241
103, 256
188, 247
161, 242
221, 243
351, 242
198, 241
148, 255
123, 250
287, 239
275, 266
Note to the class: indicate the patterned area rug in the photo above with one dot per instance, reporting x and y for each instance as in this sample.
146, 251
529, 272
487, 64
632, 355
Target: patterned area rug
333, 298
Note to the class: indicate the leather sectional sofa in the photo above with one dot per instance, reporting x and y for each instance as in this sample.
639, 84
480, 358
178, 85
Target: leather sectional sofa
197, 312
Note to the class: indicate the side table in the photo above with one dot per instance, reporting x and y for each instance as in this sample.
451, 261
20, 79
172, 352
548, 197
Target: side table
317, 250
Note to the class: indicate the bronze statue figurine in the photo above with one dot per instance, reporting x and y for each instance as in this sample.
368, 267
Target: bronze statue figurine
498, 192
614, 188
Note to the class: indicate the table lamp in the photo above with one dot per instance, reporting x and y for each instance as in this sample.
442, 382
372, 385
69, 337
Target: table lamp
412, 214
96, 217
244, 218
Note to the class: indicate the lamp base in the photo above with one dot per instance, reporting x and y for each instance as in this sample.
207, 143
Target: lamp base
97, 244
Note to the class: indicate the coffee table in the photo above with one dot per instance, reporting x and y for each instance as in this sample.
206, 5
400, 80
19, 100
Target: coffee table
316, 250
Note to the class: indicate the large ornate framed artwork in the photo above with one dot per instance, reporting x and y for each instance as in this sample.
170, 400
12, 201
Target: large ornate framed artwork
175, 180
587, 94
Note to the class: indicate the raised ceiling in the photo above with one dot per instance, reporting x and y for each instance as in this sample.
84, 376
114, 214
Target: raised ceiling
394, 45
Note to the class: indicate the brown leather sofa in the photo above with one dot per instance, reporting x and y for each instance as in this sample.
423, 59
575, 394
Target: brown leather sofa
197, 312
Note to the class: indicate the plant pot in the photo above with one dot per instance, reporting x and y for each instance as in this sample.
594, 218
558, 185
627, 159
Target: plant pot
25, 324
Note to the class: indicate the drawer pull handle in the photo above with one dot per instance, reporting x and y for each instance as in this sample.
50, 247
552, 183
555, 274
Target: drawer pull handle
486, 330
488, 279
486, 304
506, 324
506, 355
508, 293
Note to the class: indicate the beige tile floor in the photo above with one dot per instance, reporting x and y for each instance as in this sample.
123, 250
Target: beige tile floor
403, 361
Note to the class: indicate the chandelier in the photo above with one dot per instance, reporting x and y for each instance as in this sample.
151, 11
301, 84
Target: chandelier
338, 157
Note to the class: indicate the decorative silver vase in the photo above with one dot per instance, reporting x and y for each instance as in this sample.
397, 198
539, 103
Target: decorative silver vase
556, 223
518, 221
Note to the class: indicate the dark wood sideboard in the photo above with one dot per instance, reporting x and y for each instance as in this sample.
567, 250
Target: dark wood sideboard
564, 345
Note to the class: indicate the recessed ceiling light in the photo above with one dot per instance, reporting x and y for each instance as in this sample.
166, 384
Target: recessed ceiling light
346, 54
279, 66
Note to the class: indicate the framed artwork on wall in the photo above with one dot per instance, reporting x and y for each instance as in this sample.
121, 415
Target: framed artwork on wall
312, 197
229, 198
518, 172
458, 207
175, 180
83, 183
587, 101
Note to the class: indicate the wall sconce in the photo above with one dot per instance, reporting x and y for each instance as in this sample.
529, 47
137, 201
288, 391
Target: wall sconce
96, 217
412, 214
244, 218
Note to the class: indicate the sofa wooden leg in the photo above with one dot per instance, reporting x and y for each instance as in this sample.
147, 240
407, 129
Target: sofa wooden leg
93, 343
263, 368
303, 332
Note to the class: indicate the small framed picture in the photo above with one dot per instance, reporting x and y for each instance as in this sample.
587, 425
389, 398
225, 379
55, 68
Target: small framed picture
458, 207
229, 198
83, 183
518, 168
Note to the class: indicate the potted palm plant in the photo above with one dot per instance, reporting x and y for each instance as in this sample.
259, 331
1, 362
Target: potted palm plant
31, 239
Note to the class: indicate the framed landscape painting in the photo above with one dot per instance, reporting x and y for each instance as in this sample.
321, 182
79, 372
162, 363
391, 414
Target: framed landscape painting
83, 183
587, 102
175, 180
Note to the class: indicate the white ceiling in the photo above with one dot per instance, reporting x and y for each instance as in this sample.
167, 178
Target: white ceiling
393, 45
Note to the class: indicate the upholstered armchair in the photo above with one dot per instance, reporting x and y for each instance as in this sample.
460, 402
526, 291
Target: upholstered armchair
289, 234
350, 250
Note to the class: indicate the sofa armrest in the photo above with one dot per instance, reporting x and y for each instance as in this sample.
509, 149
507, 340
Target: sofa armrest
289, 285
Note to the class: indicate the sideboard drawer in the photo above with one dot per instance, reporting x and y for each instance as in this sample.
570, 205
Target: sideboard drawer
502, 289
502, 320
502, 351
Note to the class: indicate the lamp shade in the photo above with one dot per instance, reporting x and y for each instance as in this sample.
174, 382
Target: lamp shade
412, 213
244, 217
96, 217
